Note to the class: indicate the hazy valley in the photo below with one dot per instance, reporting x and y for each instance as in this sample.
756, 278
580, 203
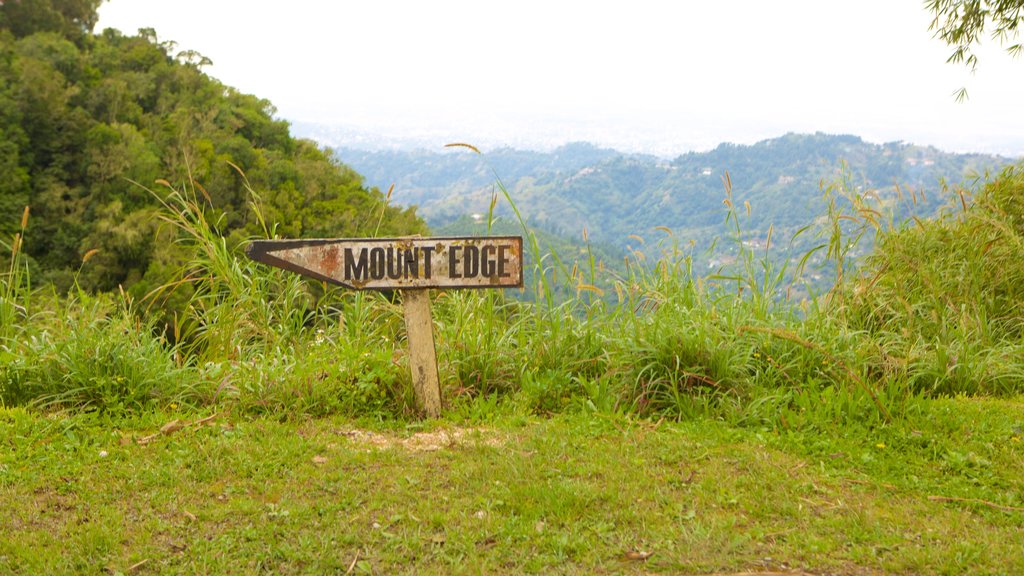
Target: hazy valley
621, 200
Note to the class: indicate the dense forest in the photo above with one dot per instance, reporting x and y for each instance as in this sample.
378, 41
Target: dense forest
96, 128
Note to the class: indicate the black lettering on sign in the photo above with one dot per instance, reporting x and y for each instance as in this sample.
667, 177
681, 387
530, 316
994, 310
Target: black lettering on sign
411, 256
355, 269
472, 261
399, 263
428, 252
453, 262
378, 263
394, 264
502, 261
488, 267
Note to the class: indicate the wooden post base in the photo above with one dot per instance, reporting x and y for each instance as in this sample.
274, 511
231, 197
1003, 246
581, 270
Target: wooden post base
419, 326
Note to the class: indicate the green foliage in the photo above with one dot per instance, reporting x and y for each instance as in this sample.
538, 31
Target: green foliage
934, 311
684, 353
231, 307
962, 24
265, 340
89, 121
669, 343
555, 251
319, 377
15, 288
944, 298
71, 18
92, 358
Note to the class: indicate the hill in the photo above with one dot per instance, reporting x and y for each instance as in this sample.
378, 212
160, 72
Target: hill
616, 195
89, 121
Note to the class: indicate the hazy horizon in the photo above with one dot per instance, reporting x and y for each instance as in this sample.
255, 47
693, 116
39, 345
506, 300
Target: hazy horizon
348, 136
638, 77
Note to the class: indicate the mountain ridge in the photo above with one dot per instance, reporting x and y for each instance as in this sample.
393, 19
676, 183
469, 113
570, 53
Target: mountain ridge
615, 194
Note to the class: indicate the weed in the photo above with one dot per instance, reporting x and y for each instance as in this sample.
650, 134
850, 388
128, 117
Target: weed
15, 286
944, 299
97, 357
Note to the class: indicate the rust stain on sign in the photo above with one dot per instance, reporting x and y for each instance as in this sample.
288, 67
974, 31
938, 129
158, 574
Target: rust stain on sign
400, 263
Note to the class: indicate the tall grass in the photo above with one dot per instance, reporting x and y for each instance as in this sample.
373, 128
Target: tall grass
934, 310
733, 344
944, 300
97, 356
232, 308
264, 339
93, 354
15, 287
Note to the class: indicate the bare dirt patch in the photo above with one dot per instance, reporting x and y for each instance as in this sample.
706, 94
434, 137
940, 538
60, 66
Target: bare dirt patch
424, 441
855, 572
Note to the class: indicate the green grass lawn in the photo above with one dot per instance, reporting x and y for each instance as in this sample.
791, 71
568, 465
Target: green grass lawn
940, 492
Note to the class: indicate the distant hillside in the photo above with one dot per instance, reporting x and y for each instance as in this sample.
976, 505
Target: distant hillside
614, 195
426, 178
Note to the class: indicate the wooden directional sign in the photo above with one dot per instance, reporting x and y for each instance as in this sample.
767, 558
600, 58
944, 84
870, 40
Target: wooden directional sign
408, 264
400, 263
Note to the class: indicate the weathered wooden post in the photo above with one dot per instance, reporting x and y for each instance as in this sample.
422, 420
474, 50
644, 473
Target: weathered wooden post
419, 327
412, 266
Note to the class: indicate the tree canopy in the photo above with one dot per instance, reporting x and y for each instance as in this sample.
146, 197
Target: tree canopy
74, 19
89, 121
962, 24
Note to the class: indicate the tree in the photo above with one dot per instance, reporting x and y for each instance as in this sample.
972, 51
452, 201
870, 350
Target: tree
961, 24
85, 117
74, 19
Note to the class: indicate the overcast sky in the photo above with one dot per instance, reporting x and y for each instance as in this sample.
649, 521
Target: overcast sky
640, 75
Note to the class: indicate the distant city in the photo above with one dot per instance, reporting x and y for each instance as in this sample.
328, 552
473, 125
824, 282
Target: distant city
543, 139
660, 141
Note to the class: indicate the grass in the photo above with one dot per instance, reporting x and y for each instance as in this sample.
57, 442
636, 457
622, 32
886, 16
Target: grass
219, 425
571, 494
934, 311
93, 360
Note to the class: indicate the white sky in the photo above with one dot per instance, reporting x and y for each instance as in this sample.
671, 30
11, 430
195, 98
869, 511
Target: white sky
639, 74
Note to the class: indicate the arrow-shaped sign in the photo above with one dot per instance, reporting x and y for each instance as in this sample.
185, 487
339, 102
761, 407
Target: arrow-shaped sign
410, 265
400, 263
